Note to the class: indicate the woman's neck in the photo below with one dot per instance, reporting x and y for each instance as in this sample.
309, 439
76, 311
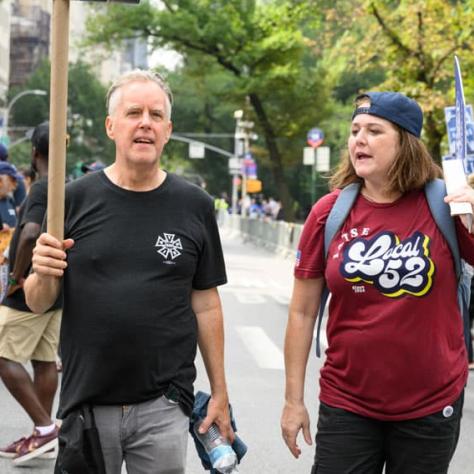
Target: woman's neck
379, 195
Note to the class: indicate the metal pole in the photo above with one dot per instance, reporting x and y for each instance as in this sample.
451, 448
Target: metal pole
244, 173
9, 107
235, 196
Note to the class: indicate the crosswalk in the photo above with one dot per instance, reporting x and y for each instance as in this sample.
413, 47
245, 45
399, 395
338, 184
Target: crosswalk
253, 290
265, 353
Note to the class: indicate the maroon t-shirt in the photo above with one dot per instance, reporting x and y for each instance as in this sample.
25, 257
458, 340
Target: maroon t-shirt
396, 347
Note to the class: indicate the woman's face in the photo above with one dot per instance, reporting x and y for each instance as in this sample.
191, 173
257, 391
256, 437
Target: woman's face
374, 144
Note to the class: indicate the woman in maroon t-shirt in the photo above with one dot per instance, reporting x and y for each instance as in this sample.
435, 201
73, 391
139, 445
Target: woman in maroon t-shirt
396, 365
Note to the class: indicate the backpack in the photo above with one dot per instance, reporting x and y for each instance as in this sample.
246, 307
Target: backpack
434, 191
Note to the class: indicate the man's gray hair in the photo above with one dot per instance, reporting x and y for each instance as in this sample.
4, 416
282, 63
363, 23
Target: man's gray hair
135, 76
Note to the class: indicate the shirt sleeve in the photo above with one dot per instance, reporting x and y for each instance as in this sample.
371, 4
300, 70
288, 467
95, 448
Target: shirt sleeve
310, 258
35, 204
210, 271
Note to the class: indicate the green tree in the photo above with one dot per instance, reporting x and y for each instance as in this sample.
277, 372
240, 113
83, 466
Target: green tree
259, 44
202, 107
86, 114
413, 42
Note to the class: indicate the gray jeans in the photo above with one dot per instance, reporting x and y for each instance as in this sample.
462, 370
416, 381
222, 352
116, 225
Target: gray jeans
151, 437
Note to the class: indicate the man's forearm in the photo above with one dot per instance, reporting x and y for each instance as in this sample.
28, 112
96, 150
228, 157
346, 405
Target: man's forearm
41, 292
211, 345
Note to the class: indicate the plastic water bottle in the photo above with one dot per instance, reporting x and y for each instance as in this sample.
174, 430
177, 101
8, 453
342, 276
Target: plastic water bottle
220, 452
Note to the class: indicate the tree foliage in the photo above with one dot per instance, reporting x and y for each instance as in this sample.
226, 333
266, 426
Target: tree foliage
414, 43
86, 114
260, 45
293, 65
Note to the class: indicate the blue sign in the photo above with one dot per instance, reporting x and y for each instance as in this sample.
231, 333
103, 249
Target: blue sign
315, 137
460, 149
249, 167
450, 117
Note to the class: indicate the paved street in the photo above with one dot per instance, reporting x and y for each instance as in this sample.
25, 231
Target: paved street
255, 303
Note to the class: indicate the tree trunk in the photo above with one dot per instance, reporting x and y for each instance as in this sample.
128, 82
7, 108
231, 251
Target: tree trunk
276, 164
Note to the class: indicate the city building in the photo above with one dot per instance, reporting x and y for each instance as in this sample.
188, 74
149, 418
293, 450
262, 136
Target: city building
5, 13
29, 38
107, 64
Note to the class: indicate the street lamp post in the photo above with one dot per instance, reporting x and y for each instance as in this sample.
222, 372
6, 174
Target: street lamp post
241, 150
12, 103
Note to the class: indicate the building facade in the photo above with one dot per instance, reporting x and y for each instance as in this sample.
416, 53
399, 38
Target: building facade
5, 14
29, 38
107, 64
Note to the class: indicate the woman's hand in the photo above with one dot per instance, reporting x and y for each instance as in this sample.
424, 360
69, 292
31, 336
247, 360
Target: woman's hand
463, 194
293, 419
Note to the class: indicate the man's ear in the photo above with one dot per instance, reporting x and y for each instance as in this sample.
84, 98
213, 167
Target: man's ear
109, 127
169, 131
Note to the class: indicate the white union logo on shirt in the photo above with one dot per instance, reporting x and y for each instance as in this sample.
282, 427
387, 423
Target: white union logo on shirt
169, 246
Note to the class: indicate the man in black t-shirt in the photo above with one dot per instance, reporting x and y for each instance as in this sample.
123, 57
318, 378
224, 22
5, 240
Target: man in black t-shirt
139, 269
26, 336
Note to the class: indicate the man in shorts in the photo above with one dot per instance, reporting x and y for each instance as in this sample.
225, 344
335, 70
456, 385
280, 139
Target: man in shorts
26, 336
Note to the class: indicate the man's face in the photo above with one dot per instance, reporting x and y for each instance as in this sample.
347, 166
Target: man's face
139, 125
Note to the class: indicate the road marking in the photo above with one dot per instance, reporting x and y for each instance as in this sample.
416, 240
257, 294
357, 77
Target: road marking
282, 299
246, 281
250, 298
263, 349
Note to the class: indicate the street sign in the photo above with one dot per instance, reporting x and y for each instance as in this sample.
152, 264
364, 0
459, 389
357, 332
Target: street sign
450, 117
308, 156
196, 150
315, 137
460, 114
234, 165
323, 159
254, 186
250, 167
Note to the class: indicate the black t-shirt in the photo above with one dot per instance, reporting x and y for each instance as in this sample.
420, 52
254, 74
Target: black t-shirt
128, 329
32, 210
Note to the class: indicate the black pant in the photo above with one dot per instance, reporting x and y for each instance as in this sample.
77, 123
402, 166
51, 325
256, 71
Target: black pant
347, 443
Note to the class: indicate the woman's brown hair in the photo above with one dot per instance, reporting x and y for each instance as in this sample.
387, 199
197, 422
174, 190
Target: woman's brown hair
412, 168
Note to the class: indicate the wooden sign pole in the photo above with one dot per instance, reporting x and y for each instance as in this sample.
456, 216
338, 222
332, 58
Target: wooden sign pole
58, 117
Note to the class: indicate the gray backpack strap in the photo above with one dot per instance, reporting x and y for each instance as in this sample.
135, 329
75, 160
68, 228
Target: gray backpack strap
336, 218
435, 192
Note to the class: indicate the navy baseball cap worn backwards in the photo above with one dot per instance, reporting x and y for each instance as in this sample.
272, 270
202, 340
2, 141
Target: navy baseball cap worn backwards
396, 108
9, 170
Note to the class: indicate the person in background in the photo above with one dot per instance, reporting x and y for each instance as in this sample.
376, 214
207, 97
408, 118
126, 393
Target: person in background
26, 336
9, 179
139, 267
392, 384
19, 192
29, 177
221, 207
